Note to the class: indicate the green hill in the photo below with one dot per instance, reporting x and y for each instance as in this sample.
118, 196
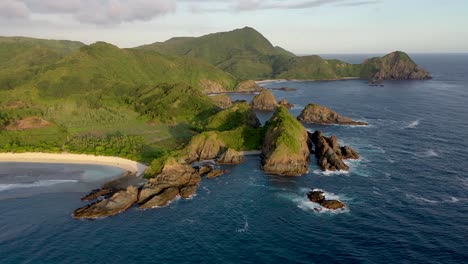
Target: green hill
105, 68
21, 59
245, 53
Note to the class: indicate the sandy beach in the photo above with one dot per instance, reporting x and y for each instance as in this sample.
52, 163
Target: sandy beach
125, 164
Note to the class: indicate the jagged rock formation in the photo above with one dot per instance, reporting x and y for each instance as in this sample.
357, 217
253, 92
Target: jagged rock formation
222, 100
286, 104
285, 149
317, 196
329, 154
118, 203
175, 178
264, 101
231, 156
205, 146
317, 114
394, 66
248, 86
214, 174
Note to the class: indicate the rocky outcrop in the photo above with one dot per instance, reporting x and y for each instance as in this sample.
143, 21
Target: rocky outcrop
264, 101
215, 174
317, 114
248, 87
317, 196
329, 154
394, 66
285, 149
210, 86
205, 146
231, 156
117, 203
163, 198
286, 104
175, 178
221, 100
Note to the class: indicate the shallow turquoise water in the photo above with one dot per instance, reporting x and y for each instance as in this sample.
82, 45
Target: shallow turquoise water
407, 196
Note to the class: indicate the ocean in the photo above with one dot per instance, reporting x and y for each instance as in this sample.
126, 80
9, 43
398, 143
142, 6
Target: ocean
407, 196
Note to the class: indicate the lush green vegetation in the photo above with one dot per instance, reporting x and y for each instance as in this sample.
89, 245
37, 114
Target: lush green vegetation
149, 103
287, 133
244, 53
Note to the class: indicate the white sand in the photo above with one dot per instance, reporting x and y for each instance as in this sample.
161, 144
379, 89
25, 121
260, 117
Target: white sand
125, 164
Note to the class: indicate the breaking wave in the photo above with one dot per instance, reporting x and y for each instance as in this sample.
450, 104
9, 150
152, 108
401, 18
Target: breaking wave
41, 183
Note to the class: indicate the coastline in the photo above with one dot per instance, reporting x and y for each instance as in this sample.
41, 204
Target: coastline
306, 80
66, 158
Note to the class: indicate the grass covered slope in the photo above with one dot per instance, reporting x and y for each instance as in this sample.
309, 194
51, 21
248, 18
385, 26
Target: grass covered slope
285, 149
245, 53
21, 59
106, 68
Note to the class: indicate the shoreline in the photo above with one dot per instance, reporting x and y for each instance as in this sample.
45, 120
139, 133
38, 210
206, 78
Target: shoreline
66, 158
306, 80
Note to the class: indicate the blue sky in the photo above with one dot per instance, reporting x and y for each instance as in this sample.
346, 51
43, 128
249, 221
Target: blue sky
303, 27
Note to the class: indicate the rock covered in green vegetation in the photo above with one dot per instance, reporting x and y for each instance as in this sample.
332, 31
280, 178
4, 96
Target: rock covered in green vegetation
317, 114
221, 100
264, 101
329, 154
116, 204
285, 149
394, 66
239, 114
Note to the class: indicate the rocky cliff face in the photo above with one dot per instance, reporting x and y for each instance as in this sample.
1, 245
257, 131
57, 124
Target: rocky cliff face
248, 87
285, 149
264, 101
221, 100
175, 179
317, 114
329, 154
394, 66
117, 203
231, 156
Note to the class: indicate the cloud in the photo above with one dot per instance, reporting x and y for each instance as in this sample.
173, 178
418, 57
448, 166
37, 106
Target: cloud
120, 11
254, 5
90, 11
13, 9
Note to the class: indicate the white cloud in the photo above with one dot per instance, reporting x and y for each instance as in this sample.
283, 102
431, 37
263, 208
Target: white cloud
13, 9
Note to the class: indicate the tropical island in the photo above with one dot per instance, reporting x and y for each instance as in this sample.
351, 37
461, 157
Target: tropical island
152, 104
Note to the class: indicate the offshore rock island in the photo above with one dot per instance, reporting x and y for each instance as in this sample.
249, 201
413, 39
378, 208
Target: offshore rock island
165, 105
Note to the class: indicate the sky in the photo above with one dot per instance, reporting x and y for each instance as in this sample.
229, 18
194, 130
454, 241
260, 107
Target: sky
301, 26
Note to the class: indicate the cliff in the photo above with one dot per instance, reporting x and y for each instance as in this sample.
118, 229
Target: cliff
317, 114
264, 101
285, 149
394, 66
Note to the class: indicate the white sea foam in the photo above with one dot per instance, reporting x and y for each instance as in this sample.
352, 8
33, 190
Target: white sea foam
422, 199
413, 124
427, 154
206, 189
330, 173
41, 183
245, 228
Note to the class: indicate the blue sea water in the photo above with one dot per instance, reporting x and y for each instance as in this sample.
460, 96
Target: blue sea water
407, 196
